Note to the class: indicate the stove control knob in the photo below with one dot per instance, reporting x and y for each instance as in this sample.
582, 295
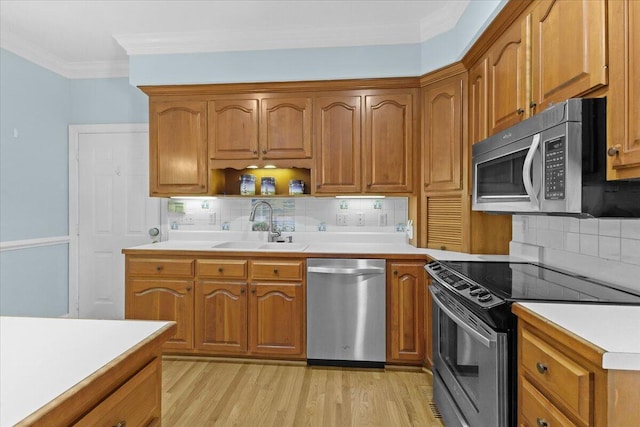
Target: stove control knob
476, 291
485, 298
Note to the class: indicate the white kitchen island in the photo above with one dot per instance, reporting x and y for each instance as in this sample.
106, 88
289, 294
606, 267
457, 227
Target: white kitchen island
60, 371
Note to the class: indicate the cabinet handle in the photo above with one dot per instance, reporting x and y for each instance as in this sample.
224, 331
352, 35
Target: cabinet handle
255, 151
264, 151
532, 104
275, 271
159, 268
542, 422
220, 269
520, 111
122, 423
541, 368
613, 151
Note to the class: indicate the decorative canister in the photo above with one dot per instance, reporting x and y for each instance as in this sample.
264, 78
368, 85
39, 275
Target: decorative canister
247, 185
296, 186
267, 185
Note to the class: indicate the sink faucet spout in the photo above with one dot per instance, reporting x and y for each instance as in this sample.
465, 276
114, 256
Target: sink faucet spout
273, 234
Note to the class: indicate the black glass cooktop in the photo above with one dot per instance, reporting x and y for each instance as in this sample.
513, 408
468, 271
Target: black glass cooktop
516, 281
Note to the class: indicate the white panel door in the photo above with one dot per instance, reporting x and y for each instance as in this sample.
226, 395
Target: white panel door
114, 212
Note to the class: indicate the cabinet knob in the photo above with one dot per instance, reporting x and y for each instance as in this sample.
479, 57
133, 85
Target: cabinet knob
242, 290
264, 151
542, 422
188, 288
443, 247
255, 151
541, 368
532, 104
275, 271
520, 111
122, 423
395, 272
253, 291
613, 151
220, 269
159, 268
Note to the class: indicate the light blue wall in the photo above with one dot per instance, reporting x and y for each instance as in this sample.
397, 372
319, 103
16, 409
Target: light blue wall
319, 63
34, 173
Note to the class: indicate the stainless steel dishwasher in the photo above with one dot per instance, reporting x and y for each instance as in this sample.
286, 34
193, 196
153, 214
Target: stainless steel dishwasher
346, 317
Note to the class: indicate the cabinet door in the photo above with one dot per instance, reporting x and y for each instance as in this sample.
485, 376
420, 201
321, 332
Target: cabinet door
443, 134
479, 101
277, 319
568, 49
221, 317
623, 102
444, 219
160, 299
233, 129
285, 128
337, 125
388, 143
405, 334
178, 148
507, 78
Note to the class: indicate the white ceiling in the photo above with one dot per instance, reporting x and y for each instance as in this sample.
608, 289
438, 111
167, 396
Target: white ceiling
94, 38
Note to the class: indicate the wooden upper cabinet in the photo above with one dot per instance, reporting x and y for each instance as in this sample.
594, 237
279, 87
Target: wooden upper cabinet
443, 106
337, 158
568, 49
178, 148
507, 77
479, 101
388, 143
233, 129
285, 128
623, 102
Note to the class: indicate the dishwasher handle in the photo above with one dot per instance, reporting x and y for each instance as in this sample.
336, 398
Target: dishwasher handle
342, 270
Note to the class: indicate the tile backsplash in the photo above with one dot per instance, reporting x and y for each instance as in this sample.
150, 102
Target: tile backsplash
291, 214
605, 249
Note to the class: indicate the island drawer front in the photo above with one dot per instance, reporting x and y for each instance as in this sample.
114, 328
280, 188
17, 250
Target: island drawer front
222, 268
136, 402
537, 410
161, 267
563, 380
277, 270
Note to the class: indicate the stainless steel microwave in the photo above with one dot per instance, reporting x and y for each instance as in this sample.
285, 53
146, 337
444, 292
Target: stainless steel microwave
553, 163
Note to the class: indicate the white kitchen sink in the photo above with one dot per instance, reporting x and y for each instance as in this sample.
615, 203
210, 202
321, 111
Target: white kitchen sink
261, 246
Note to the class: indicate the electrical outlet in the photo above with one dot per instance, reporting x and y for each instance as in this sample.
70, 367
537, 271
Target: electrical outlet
212, 218
382, 219
342, 219
360, 219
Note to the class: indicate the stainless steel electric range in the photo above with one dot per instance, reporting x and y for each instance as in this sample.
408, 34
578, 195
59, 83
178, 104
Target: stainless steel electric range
474, 331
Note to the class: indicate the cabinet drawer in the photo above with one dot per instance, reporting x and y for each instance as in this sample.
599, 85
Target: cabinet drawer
536, 410
277, 270
161, 267
562, 379
136, 402
222, 268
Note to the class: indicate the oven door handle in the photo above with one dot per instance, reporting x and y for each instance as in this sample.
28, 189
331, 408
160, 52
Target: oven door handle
526, 172
474, 334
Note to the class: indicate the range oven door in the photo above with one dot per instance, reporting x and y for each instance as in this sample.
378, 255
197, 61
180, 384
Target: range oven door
470, 368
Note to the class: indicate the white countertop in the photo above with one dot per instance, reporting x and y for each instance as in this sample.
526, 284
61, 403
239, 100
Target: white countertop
42, 358
613, 328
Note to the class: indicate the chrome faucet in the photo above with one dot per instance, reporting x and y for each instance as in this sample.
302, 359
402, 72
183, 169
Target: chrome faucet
273, 235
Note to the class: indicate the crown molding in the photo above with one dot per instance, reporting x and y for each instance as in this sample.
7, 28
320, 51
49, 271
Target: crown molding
228, 41
70, 70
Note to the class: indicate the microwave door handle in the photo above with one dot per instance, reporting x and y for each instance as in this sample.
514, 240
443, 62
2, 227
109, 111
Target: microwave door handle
526, 171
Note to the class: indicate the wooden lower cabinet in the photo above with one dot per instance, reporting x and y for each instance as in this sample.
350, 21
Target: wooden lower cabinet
163, 299
561, 381
405, 312
136, 403
277, 322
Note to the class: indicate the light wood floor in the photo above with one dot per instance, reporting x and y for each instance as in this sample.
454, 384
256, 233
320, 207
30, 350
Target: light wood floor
206, 393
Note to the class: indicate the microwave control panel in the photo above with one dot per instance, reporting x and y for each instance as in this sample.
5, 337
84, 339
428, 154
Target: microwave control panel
554, 169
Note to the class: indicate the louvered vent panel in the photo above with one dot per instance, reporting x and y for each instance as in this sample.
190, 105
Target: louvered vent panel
444, 222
